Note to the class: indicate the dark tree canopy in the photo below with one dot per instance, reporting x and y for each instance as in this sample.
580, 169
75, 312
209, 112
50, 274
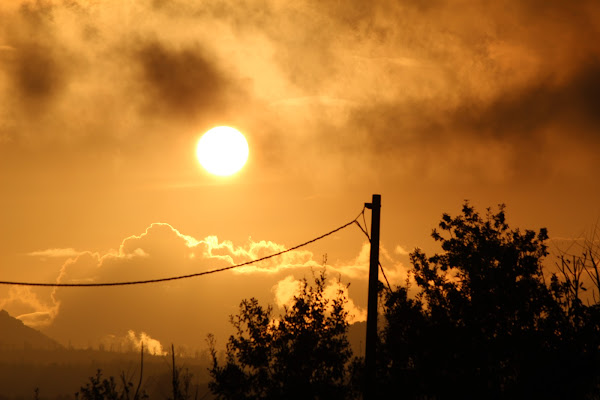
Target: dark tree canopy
485, 323
303, 355
489, 277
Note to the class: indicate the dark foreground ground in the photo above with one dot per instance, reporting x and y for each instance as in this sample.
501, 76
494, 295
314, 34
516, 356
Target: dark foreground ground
59, 374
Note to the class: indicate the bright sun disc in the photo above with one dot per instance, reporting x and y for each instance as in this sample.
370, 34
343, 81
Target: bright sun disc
222, 151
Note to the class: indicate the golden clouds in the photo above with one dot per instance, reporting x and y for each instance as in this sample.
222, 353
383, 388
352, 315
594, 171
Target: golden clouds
29, 306
414, 84
286, 289
201, 305
153, 346
132, 341
83, 60
55, 253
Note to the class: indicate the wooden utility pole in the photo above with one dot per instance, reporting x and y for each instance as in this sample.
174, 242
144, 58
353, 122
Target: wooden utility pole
371, 340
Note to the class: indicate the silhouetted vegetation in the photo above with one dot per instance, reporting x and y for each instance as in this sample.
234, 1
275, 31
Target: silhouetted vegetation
484, 321
99, 388
303, 355
181, 383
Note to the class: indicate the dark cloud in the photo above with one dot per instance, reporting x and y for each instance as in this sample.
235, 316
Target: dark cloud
36, 14
524, 112
583, 94
36, 66
519, 128
181, 81
184, 82
37, 74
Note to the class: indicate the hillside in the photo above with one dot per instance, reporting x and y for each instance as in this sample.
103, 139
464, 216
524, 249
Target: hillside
15, 335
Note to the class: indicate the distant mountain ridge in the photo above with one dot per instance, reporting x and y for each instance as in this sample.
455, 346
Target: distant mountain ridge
14, 335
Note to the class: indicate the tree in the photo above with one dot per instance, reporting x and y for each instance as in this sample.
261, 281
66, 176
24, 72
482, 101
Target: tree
579, 318
99, 388
303, 355
181, 380
484, 322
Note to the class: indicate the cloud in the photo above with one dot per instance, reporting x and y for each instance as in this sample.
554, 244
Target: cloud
53, 253
183, 311
423, 89
401, 251
520, 112
153, 346
132, 342
287, 288
105, 97
182, 81
37, 319
69, 63
355, 313
358, 268
37, 74
29, 306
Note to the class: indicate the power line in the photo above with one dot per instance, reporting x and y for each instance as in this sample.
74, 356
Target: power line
174, 278
364, 230
386, 279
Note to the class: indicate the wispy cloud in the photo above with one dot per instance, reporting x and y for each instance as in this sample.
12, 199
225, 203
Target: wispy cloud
55, 253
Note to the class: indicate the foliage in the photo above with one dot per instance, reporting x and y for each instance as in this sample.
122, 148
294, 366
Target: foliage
99, 388
484, 322
181, 382
303, 355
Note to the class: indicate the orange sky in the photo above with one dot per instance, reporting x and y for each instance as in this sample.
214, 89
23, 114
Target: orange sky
102, 104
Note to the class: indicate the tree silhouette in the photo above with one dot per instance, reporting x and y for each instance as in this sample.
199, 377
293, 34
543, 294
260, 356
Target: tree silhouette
99, 388
484, 323
303, 355
181, 381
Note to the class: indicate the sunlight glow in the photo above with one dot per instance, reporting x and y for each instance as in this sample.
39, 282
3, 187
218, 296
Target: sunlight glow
222, 151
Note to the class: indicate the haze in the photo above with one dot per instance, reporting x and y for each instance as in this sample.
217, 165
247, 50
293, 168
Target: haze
102, 104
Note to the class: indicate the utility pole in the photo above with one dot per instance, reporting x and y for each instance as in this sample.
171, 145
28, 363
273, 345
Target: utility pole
371, 340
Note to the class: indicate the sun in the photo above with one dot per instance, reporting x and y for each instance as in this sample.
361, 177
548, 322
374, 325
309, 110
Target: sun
222, 150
